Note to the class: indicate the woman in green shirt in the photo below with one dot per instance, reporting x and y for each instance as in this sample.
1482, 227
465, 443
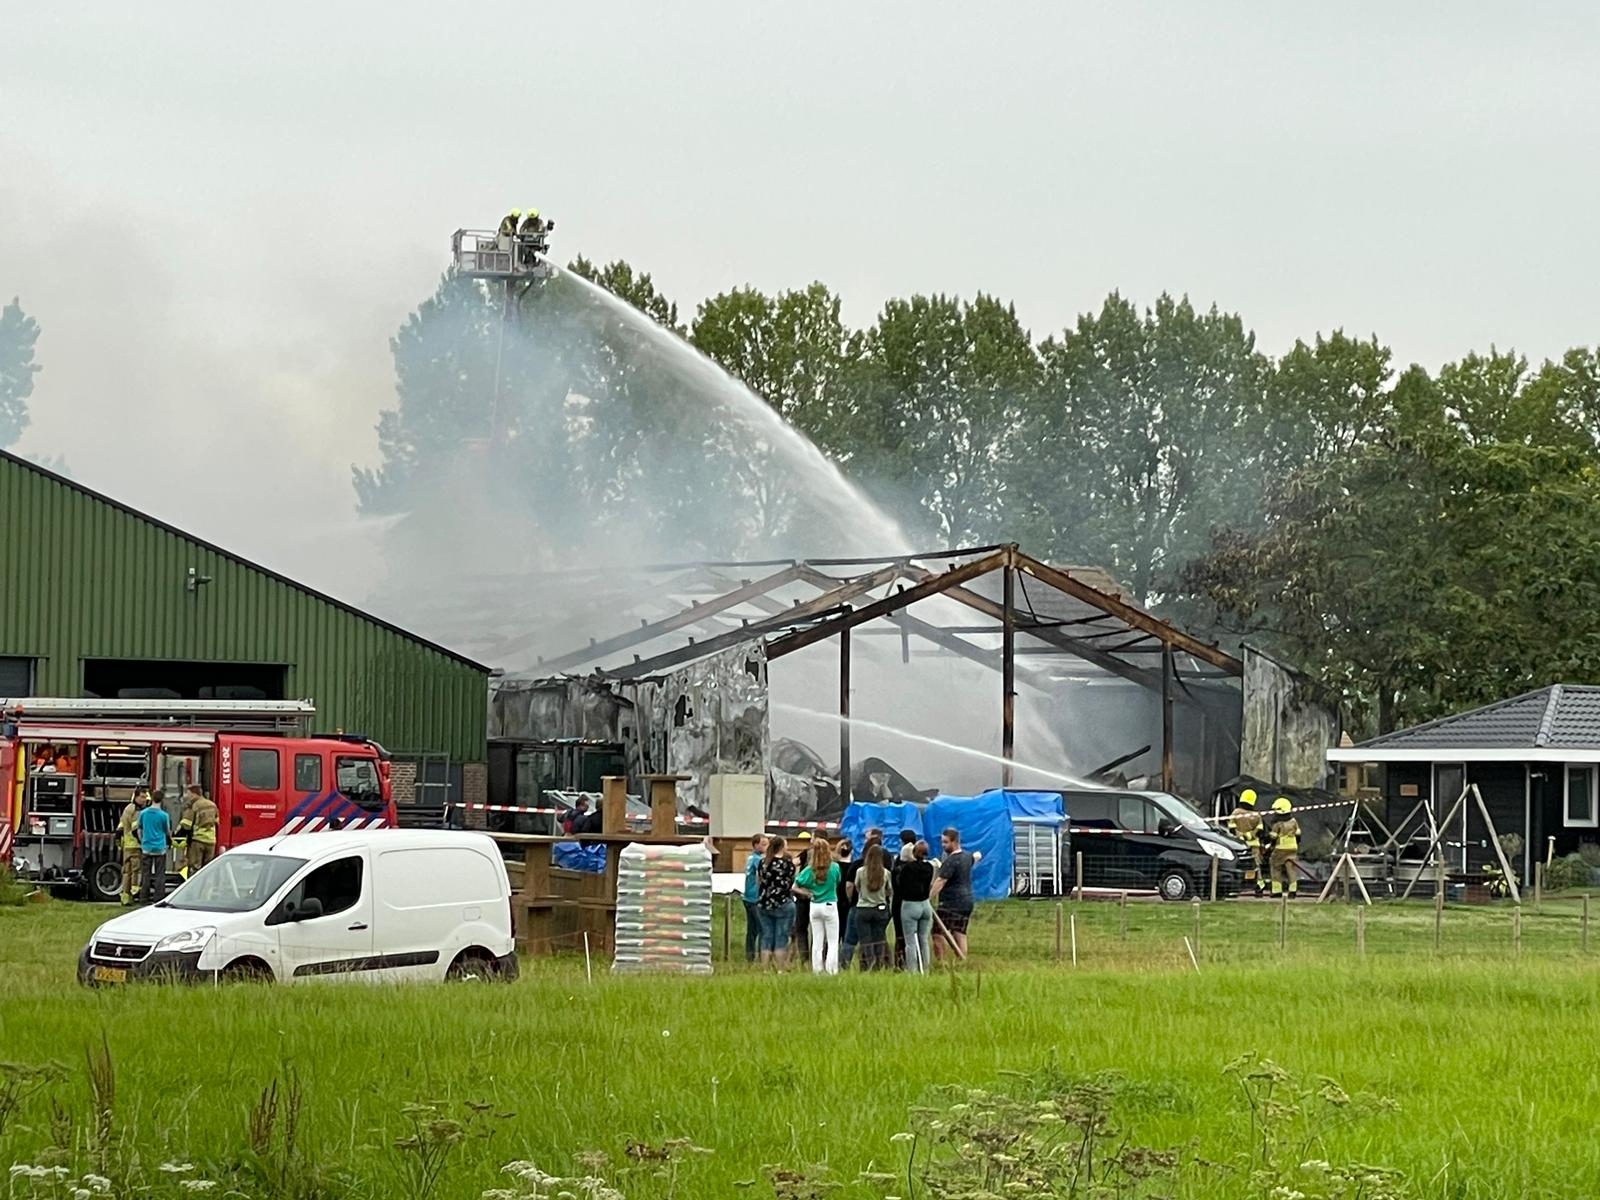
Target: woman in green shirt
819, 882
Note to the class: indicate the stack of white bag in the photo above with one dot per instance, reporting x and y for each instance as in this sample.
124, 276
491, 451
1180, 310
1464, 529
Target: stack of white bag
664, 909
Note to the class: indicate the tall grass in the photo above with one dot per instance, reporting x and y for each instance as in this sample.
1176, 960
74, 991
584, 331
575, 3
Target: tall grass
1490, 1060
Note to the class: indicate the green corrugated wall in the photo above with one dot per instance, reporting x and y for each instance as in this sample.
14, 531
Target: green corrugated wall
83, 578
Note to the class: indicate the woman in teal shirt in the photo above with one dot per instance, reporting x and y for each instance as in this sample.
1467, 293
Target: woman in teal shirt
820, 882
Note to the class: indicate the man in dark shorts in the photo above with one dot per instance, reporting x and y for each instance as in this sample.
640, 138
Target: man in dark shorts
952, 888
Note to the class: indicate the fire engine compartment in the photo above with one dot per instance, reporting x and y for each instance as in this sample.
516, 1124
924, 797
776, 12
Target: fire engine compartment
72, 766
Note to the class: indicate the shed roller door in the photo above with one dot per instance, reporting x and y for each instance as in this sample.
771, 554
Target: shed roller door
16, 676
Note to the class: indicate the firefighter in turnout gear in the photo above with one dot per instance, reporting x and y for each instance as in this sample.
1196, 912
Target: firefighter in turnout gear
128, 842
1245, 823
1285, 835
198, 827
508, 227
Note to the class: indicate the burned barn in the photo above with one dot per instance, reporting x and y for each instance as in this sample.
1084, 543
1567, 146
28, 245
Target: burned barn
884, 678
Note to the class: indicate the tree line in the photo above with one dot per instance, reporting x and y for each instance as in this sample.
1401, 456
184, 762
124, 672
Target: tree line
1417, 541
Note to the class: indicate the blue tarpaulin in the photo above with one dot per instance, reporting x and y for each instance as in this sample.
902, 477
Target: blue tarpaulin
574, 856
889, 817
984, 823
1040, 807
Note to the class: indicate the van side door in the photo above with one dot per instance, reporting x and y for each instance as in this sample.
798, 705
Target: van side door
1092, 819
1142, 844
324, 921
432, 902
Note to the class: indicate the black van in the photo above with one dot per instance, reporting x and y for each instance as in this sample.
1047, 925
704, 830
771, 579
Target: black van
1144, 840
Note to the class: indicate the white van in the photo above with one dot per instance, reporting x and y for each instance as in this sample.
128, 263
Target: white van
388, 904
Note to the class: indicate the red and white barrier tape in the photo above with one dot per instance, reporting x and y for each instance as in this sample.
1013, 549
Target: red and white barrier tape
513, 808
1298, 808
520, 808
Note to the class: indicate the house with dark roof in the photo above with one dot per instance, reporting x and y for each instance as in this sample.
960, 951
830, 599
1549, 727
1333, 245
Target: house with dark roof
1535, 759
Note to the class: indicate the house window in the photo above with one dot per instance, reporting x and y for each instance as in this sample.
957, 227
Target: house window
1581, 807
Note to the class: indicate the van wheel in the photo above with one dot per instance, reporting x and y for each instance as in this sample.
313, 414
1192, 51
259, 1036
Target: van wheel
1175, 885
105, 881
247, 970
471, 968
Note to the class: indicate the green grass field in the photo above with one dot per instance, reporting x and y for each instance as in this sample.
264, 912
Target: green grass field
1490, 1058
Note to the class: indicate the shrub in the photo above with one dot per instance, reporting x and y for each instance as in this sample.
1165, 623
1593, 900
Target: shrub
1568, 871
1590, 853
12, 892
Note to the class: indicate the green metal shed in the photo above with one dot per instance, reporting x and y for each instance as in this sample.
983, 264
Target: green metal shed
97, 598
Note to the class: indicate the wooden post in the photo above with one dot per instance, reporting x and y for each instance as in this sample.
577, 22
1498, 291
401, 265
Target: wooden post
845, 769
614, 804
1538, 887
1213, 880
1283, 921
1166, 716
1060, 909
1122, 915
1361, 932
1585, 944
1072, 920
1195, 904
663, 790
1438, 912
1078, 866
1516, 931
727, 927
1008, 674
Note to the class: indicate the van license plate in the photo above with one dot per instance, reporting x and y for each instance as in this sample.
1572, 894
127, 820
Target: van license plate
111, 974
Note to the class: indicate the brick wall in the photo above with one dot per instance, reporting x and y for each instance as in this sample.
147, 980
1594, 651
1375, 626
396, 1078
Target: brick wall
403, 778
475, 790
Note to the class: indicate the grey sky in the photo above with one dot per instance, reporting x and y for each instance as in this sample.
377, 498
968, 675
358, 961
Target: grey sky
218, 222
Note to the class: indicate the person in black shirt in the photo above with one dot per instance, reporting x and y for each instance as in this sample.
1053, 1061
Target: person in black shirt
802, 905
913, 884
844, 855
775, 903
953, 889
908, 840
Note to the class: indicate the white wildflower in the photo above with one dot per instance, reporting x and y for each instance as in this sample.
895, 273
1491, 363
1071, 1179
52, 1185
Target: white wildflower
97, 1183
902, 1138
182, 1168
197, 1185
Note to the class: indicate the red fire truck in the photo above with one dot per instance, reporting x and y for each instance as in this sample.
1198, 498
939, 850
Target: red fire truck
68, 768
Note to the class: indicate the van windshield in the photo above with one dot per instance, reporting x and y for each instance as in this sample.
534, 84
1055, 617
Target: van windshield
1180, 812
235, 883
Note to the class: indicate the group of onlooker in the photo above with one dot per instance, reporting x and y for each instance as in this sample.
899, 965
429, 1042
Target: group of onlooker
842, 905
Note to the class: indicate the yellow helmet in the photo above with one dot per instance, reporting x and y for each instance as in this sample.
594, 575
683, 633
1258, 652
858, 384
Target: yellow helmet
534, 213
1248, 797
1281, 804
515, 212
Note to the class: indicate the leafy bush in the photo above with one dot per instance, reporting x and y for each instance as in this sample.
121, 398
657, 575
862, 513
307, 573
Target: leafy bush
1568, 871
1511, 846
11, 891
1590, 853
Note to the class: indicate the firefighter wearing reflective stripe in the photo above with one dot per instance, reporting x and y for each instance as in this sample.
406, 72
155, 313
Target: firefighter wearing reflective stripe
508, 226
1285, 847
1245, 822
199, 826
128, 841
